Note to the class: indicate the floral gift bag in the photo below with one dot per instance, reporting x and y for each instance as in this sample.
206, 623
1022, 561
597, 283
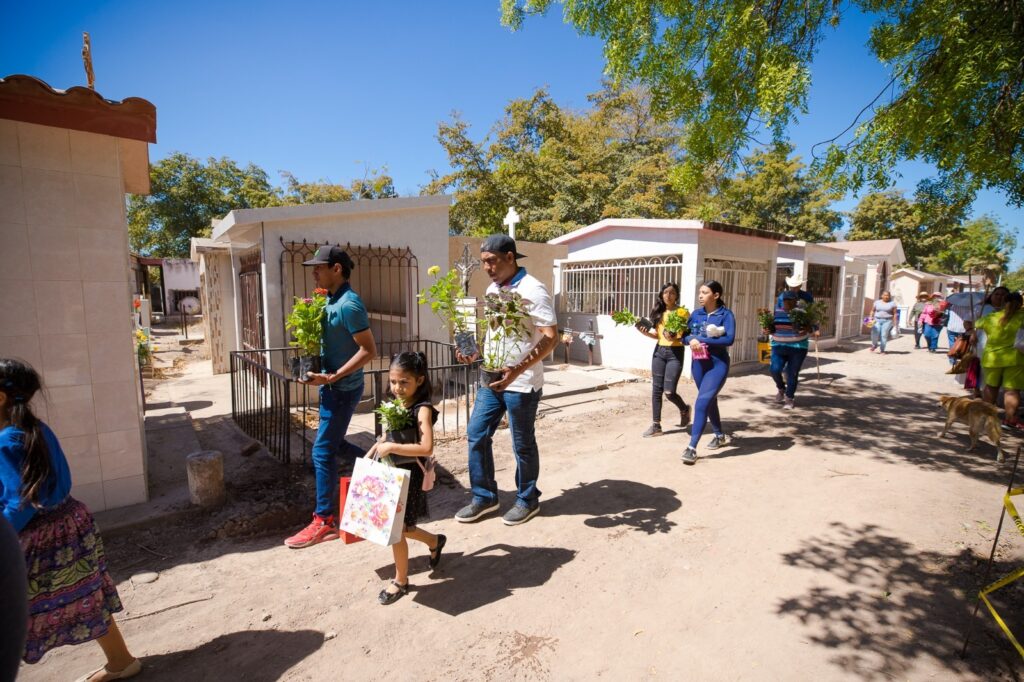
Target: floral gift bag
375, 505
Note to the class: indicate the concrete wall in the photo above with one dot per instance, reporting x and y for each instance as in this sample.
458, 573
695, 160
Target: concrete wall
424, 230
218, 308
625, 347
65, 301
179, 274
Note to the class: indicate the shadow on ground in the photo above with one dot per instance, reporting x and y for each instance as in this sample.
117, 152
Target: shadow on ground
251, 655
611, 503
856, 417
494, 572
897, 604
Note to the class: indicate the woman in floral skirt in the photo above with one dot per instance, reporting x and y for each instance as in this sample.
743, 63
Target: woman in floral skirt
71, 597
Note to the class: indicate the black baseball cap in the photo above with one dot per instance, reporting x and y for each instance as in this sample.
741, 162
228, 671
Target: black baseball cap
500, 243
330, 255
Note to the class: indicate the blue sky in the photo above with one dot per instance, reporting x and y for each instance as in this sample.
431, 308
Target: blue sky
329, 89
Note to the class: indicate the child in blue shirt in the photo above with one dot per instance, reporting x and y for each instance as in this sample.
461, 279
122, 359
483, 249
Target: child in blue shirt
56, 532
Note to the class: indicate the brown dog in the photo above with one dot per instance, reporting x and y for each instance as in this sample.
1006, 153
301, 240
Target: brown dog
982, 419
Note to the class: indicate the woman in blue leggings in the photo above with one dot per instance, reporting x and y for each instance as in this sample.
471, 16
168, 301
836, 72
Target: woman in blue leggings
712, 330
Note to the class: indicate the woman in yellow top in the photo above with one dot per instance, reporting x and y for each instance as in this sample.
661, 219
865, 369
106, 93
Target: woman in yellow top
667, 362
1003, 364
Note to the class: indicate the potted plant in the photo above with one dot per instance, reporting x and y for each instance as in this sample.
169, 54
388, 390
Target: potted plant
143, 349
444, 297
625, 317
306, 324
676, 322
765, 321
806, 317
397, 421
504, 317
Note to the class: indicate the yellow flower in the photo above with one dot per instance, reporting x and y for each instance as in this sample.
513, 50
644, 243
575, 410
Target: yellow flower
433, 270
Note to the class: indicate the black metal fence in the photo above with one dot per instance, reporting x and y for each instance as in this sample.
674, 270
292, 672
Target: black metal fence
261, 402
278, 411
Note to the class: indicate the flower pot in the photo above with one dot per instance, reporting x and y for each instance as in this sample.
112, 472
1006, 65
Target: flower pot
488, 377
303, 364
408, 435
465, 342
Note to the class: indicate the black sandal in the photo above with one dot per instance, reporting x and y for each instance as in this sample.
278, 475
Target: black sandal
386, 597
435, 554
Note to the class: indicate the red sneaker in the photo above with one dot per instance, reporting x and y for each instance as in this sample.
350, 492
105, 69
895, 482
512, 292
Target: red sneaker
321, 529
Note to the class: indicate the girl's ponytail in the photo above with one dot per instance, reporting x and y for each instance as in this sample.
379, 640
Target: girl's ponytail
20, 383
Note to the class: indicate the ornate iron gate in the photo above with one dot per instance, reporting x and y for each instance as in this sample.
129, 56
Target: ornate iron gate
386, 278
250, 286
745, 286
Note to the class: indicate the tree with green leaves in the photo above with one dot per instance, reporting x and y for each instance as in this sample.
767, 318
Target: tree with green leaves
777, 192
727, 69
979, 244
1014, 281
562, 169
186, 194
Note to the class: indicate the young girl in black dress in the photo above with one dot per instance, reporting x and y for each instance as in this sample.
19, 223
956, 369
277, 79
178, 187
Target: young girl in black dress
409, 382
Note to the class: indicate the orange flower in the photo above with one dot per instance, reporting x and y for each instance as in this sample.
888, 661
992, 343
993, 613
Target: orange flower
320, 291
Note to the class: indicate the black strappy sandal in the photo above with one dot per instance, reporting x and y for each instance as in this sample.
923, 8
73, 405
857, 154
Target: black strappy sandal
435, 554
386, 597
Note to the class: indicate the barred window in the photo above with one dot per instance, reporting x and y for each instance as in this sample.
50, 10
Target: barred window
606, 286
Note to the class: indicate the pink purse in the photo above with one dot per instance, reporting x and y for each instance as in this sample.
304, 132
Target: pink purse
701, 353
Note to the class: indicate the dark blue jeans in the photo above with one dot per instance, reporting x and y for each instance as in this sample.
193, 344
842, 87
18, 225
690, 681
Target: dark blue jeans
522, 414
710, 376
789, 360
953, 337
336, 409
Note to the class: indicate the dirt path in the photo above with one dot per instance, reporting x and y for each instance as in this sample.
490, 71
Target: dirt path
834, 542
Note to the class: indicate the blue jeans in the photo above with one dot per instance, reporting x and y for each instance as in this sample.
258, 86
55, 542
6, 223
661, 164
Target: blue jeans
788, 359
953, 337
880, 333
709, 375
522, 413
336, 409
931, 335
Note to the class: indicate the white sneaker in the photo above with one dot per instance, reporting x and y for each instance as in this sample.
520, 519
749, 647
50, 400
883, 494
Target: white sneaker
788, 404
780, 397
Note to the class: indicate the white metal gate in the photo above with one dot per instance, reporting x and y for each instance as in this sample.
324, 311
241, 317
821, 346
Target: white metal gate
853, 306
745, 289
607, 286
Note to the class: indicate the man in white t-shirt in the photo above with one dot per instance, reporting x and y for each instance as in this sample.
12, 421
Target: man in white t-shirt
518, 391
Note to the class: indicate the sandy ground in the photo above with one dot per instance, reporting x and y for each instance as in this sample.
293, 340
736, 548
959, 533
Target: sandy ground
839, 541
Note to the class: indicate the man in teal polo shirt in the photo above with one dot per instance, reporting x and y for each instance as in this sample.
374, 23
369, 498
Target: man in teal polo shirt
346, 348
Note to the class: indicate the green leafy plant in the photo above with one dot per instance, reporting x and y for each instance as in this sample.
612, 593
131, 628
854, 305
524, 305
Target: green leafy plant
306, 322
394, 415
807, 316
443, 297
676, 320
505, 315
624, 317
143, 349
